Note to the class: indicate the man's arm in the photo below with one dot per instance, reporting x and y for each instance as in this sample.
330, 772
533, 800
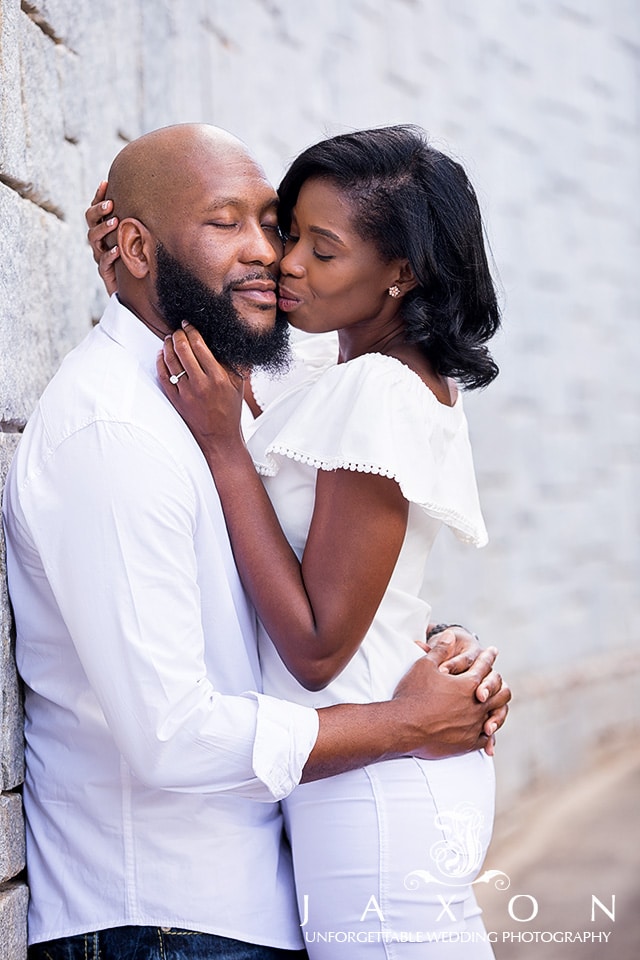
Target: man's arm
431, 715
112, 517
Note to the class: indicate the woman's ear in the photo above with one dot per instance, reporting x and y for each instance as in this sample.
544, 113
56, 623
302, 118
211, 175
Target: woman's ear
405, 279
136, 247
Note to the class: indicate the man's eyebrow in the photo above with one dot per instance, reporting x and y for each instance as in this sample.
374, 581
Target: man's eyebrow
219, 202
327, 233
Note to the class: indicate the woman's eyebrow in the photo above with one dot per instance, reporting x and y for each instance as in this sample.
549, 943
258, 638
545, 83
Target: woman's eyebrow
323, 232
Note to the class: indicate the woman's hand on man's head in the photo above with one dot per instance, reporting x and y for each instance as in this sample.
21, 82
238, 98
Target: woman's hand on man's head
101, 226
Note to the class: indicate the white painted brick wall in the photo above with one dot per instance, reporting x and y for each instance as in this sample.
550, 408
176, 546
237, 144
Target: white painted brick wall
540, 100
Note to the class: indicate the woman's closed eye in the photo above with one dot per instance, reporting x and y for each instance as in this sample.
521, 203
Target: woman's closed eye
290, 239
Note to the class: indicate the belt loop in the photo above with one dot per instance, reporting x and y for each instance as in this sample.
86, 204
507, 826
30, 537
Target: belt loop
91, 951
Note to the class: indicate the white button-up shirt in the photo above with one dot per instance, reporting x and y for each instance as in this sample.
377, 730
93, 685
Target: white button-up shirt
152, 767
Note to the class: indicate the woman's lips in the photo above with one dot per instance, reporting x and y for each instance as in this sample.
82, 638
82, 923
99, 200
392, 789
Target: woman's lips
287, 300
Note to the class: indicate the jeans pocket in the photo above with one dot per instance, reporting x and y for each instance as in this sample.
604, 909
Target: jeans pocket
82, 946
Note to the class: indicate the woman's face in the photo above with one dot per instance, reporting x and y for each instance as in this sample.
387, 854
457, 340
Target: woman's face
330, 278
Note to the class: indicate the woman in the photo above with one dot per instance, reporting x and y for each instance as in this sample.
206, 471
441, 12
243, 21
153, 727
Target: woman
363, 462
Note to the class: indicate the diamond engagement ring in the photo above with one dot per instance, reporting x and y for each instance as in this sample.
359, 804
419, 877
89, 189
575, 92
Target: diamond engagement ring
176, 376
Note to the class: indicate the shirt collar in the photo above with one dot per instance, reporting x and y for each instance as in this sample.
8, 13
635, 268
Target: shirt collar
123, 326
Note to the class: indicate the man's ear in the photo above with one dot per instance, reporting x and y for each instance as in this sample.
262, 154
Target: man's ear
136, 247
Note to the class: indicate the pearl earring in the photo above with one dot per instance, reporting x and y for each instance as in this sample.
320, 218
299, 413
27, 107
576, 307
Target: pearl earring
394, 291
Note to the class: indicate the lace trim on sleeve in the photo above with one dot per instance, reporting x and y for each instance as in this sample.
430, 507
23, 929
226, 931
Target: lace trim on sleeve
465, 531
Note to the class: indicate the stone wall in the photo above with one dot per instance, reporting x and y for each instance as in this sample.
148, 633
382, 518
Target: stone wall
539, 99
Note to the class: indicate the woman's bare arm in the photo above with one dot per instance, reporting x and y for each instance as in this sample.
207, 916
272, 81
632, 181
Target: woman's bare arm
318, 611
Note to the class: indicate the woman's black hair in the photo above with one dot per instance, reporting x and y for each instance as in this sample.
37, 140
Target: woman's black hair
414, 202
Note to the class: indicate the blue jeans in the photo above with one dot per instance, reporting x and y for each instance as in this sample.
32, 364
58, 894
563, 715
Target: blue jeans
155, 943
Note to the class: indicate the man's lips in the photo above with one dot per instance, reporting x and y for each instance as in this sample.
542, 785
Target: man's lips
259, 291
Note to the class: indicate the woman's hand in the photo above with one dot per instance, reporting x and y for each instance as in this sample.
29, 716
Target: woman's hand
464, 647
101, 225
207, 395
464, 650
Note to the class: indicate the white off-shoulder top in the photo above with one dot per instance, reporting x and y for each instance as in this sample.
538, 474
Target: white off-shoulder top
371, 414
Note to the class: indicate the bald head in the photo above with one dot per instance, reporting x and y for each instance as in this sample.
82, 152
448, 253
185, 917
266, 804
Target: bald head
156, 176
195, 212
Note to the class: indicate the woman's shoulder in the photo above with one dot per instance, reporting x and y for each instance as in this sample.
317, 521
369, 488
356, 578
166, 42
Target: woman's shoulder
360, 402
388, 375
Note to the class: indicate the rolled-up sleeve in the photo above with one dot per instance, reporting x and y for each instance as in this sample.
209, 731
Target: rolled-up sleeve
111, 518
283, 743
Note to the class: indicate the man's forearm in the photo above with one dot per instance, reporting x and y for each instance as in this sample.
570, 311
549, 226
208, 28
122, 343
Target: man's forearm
431, 715
353, 735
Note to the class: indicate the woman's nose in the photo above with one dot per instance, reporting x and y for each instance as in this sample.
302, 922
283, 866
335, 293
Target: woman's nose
290, 266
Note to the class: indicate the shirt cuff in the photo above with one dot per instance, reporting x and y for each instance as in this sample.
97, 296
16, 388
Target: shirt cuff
285, 736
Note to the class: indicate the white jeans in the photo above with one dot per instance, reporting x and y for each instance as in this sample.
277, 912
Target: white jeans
384, 858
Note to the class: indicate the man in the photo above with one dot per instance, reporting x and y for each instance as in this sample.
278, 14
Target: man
153, 764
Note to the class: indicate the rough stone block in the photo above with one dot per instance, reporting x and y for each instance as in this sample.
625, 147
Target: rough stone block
60, 19
44, 307
11, 734
22, 284
13, 140
42, 108
14, 899
12, 845
71, 71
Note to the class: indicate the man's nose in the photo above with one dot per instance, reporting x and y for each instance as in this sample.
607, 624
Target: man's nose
262, 246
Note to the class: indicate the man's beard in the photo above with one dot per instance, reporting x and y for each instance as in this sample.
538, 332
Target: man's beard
232, 341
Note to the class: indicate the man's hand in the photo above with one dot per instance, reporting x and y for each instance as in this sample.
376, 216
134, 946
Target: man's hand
446, 714
431, 715
464, 649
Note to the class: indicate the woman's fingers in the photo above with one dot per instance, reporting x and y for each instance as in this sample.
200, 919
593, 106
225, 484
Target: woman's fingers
96, 234
191, 354
460, 663
439, 648
489, 686
106, 269
170, 368
100, 193
102, 236
482, 665
175, 364
163, 373
99, 222
206, 360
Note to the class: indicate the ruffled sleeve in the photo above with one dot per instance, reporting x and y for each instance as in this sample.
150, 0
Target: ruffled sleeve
375, 415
